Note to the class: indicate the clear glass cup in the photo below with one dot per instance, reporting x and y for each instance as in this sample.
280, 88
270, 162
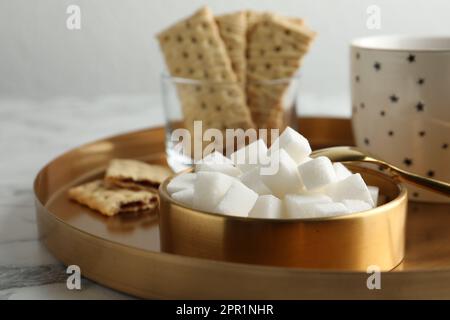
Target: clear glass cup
269, 104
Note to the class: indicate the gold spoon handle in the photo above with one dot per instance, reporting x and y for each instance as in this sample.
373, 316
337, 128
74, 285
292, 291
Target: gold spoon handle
353, 154
428, 183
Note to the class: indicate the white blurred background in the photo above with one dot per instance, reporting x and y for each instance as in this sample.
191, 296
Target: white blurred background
115, 52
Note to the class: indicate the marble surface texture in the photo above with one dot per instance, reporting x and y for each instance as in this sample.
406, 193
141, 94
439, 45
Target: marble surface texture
31, 134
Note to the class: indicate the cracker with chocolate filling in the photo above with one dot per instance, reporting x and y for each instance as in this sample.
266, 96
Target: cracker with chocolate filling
136, 175
111, 201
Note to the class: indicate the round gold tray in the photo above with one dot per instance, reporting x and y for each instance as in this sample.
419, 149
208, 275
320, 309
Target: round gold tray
124, 253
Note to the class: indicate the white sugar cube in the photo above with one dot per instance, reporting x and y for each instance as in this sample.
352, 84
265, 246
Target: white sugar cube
238, 200
209, 189
315, 210
374, 193
356, 205
217, 158
250, 156
252, 179
323, 210
294, 203
181, 182
306, 159
224, 168
285, 179
341, 171
217, 162
294, 143
352, 188
317, 173
267, 206
300, 199
185, 196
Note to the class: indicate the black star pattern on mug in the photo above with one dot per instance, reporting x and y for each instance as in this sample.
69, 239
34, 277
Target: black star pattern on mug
366, 141
408, 162
421, 81
357, 79
362, 105
430, 173
394, 98
382, 113
358, 56
422, 133
420, 106
445, 146
377, 66
411, 58
391, 133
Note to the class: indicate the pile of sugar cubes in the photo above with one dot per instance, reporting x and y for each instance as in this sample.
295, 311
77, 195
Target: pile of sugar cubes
301, 187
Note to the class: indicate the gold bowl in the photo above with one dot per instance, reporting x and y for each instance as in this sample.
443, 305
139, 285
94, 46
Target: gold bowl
357, 241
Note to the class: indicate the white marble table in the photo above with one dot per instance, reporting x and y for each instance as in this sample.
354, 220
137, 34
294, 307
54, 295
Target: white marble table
31, 134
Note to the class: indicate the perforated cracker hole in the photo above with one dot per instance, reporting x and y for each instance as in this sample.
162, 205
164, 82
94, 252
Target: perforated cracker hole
277, 48
194, 40
287, 32
218, 108
185, 55
179, 38
268, 66
203, 106
200, 56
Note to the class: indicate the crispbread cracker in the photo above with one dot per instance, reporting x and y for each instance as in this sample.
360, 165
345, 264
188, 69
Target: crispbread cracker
194, 49
111, 201
275, 48
233, 31
255, 17
133, 174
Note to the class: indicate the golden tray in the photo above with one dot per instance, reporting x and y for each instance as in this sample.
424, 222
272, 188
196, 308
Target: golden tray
124, 252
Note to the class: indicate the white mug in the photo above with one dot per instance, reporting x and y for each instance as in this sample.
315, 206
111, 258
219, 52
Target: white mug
401, 104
